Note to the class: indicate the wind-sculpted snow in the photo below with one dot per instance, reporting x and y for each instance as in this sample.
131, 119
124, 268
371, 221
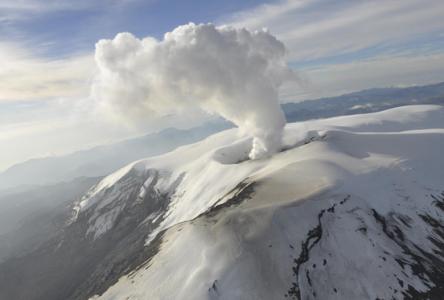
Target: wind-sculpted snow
340, 214
347, 210
197, 176
193, 182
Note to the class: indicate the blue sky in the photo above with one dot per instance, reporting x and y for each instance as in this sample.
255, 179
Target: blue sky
76, 25
336, 46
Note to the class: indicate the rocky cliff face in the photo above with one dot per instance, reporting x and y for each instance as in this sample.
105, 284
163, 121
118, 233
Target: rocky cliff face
75, 264
352, 208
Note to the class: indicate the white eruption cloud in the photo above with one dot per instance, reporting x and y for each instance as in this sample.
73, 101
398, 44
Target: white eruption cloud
232, 72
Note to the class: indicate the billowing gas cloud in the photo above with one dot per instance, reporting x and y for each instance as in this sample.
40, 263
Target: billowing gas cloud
232, 72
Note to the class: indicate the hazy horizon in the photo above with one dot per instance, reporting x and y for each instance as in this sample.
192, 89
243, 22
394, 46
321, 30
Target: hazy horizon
335, 47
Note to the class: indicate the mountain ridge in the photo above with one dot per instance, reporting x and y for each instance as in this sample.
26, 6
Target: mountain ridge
102, 160
350, 209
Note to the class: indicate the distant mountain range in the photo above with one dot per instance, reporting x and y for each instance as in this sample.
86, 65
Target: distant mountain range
102, 160
352, 208
33, 216
371, 100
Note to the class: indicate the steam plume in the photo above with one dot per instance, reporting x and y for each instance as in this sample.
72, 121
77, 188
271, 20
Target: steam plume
235, 73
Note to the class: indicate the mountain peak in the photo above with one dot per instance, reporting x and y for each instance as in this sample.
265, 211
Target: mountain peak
358, 195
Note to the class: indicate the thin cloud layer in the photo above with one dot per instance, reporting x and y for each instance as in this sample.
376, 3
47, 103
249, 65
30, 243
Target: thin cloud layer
234, 73
314, 29
330, 42
26, 77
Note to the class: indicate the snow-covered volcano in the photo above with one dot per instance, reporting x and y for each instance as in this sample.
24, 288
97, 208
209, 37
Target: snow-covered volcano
352, 208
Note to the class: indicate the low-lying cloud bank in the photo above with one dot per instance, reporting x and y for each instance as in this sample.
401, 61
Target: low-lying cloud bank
234, 73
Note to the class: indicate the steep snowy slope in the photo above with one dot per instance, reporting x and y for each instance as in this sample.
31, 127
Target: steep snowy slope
352, 208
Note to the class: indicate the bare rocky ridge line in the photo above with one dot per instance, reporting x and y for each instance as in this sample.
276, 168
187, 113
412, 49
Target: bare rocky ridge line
384, 241
425, 265
121, 251
313, 237
75, 266
88, 266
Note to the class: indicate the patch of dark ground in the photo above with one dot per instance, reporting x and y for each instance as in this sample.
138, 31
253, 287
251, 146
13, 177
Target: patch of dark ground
241, 192
74, 266
426, 265
313, 237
